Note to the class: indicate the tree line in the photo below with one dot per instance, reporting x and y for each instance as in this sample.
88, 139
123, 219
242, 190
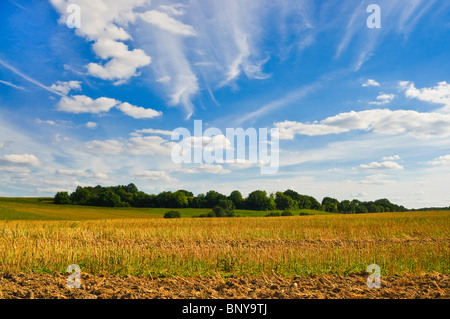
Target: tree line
222, 205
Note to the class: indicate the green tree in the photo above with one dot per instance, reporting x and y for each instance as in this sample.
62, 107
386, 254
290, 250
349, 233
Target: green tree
236, 198
346, 207
131, 188
329, 200
110, 199
212, 198
165, 199
62, 198
81, 196
284, 202
125, 196
179, 200
187, 193
361, 209
199, 201
258, 200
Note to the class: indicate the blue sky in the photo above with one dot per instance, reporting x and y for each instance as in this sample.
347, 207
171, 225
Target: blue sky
363, 113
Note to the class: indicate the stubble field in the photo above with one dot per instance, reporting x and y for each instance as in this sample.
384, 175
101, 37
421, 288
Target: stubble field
128, 254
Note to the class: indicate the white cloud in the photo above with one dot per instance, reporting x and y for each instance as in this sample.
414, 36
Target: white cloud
84, 104
110, 147
165, 22
209, 144
371, 82
356, 42
91, 125
19, 170
66, 87
382, 121
391, 158
174, 9
81, 173
378, 179
439, 94
164, 79
154, 176
138, 112
441, 160
29, 79
21, 159
239, 163
139, 145
387, 165
123, 63
104, 22
359, 195
49, 122
149, 145
12, 85
205, 168
225, 46
383, 99
153, 131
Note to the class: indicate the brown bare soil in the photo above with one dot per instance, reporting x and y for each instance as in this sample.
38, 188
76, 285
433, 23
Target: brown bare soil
351, 286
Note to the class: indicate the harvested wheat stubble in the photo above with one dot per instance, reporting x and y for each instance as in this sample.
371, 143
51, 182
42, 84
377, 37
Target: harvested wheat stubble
20, 285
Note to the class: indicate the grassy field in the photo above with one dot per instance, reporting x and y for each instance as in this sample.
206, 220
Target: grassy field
43, 209
40, 237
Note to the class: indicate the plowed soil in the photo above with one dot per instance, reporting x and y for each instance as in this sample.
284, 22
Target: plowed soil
49, 286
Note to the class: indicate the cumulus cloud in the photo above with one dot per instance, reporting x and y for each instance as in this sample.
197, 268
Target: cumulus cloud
104, 23
381, 121
91, 125
66, 87
441, 160
383, 99
84, 104
123, 63
21, 159
439, 94
370, 82
138, 112
386, 165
